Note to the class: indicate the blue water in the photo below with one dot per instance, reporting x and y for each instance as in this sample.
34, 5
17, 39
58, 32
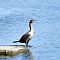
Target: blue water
14, 18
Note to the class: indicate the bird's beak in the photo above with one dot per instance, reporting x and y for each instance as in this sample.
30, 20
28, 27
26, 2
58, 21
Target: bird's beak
34, 21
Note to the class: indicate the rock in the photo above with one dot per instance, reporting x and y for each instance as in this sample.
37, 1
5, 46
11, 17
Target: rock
11, 50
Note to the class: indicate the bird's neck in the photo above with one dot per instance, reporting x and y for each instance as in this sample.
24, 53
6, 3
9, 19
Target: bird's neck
30, 26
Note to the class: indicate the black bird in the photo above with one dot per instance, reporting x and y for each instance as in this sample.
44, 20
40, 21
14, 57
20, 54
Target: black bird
27, 36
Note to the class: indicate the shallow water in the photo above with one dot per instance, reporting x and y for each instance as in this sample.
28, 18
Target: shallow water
14, 18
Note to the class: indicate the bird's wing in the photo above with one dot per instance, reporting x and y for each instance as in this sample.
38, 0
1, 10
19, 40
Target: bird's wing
24, 38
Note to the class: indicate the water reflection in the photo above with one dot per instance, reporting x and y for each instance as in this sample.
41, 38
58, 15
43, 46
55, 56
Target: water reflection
26, 55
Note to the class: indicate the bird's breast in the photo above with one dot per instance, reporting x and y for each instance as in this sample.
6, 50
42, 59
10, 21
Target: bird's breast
31, 34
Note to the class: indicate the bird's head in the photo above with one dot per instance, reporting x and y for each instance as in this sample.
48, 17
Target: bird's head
32, 21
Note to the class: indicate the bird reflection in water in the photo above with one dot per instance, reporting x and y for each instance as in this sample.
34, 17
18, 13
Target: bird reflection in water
27, 55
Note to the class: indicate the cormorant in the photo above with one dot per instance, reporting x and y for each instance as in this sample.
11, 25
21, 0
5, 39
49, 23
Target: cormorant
27, 36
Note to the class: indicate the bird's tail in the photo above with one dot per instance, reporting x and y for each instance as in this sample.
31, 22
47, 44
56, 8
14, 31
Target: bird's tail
15, 41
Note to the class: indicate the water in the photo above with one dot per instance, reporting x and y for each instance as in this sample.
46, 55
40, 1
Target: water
14, 18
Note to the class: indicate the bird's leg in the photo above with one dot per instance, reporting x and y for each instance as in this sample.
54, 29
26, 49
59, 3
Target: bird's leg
26, 43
